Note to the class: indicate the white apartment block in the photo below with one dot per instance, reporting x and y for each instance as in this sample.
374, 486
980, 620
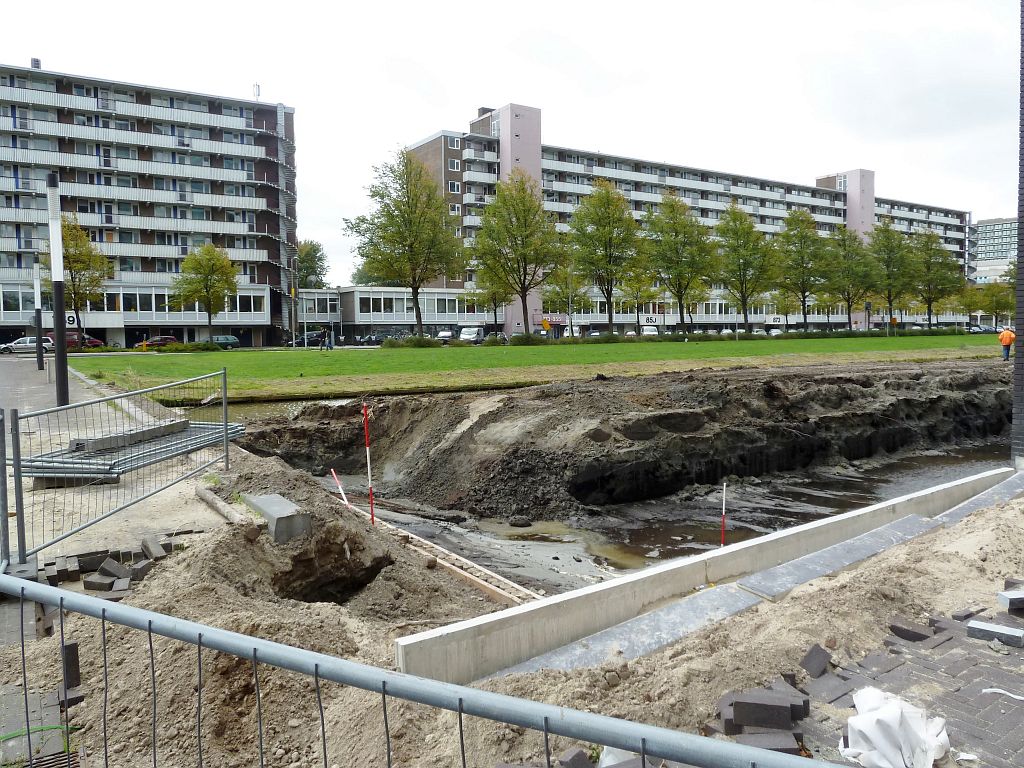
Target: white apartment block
996, 250
469, 165
151, 173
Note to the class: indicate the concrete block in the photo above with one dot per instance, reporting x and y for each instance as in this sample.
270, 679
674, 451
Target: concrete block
50, 574
153, 549
767, 709
99, 582
285, 520
575, 758
909, 630
74, 569
936, 640
61, 564
113, 596
90, 561
110, 567
828, 688
816, 661
1013, 584
1006, 635
74, 696
780, 685
72, 668
121, 584
140, 569
781, 741
797, 733
1012, 600
967, 613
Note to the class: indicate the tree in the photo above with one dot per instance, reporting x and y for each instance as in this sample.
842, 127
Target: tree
410, 236
681, 252
566, 289
361, 276
85, 269
605, 234
938, 270
637, 286
207, 276
896, 277
748, 262
489, 294
995, 299
786, 304
517, 243
801, 255
311, 265
851, 271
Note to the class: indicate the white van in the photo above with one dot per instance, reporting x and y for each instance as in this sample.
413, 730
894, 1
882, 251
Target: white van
472, 335
649, 330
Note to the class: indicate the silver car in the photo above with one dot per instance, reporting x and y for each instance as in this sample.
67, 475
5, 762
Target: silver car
25, 344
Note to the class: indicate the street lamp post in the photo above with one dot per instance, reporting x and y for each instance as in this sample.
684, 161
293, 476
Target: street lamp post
37, 285
57, 277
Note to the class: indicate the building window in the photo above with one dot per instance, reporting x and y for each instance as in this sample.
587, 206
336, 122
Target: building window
453, 143
454, 209
454, 187
453, 164
364, 304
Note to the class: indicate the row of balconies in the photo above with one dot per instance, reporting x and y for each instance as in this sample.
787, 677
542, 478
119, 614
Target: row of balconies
112, 164
134, 138
154, 223
34, 245
31, 96
134, 194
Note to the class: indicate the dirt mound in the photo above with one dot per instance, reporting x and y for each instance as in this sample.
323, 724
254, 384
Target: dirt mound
347, 591
571, 447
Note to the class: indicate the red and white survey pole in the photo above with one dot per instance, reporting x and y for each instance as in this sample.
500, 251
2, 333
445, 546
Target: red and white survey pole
369, 473
723, 515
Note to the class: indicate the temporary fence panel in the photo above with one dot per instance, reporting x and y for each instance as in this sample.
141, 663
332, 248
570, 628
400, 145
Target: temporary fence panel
78, 464
545, 719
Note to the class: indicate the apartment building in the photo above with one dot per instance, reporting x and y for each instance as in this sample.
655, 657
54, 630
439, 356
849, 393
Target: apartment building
469, 165
151, 173
997, 249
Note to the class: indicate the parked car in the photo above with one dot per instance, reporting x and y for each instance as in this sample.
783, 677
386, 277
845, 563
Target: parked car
775, 332
725, 332
370, 340
307, 339
71, 340
445, 336
648, 330
760, 332
501, 337
225, 342
631, 333
25, 344
156, 341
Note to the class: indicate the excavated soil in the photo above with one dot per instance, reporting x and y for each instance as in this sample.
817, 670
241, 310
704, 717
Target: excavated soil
567, 449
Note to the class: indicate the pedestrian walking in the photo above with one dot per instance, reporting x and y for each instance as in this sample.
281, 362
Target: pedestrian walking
1006, 338
330, 339
323, 340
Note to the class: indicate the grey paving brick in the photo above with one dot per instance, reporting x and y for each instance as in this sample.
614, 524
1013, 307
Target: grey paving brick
984, 631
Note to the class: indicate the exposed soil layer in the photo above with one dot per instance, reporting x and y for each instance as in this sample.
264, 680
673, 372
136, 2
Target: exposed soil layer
563, 449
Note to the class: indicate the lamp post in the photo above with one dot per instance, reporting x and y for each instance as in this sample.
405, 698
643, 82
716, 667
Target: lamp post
57, 277
37, 285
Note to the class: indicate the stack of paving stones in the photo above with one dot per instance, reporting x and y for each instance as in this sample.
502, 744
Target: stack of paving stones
766, 718
942, 667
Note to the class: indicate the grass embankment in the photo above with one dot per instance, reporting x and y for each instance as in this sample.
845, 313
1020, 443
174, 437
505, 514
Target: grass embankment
308, 373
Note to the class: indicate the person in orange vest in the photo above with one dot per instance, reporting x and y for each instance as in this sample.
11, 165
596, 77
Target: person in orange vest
1006, 338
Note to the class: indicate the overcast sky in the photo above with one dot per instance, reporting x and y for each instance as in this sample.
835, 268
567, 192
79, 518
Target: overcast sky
923, 92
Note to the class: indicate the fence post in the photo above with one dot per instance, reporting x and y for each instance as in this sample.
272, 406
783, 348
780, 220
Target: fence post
224, 411
5, 532
19, 500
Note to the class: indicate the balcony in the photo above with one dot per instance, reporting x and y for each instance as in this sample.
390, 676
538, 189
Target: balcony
144, 139
479, 154
24, 215
15, 275
558, 165
477, 177
472, 198
554, 205
471, 221
170, 251
203, 226
149, 168
23, 245
571, 188
17, 124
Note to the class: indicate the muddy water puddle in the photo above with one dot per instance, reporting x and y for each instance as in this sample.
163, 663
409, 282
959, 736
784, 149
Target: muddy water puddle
630, 536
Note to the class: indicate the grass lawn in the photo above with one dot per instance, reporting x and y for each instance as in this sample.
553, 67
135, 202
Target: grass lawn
269, 374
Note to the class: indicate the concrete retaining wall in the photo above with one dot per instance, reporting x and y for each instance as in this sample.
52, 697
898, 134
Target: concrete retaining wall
472, 649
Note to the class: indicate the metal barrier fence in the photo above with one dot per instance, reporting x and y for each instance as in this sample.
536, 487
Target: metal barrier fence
545, 719
76, 465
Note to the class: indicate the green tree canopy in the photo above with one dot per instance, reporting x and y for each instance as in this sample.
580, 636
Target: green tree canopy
748, 262
517, 243
638, 279
801, 252
681, 251
891, 251
852, 272
207, 276
937, 270
311, 265
85, 269
785, 304
489, 293
410, 236
604, 234
566, 289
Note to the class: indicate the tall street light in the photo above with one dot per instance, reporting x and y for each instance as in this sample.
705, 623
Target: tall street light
57, 276
37, 284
